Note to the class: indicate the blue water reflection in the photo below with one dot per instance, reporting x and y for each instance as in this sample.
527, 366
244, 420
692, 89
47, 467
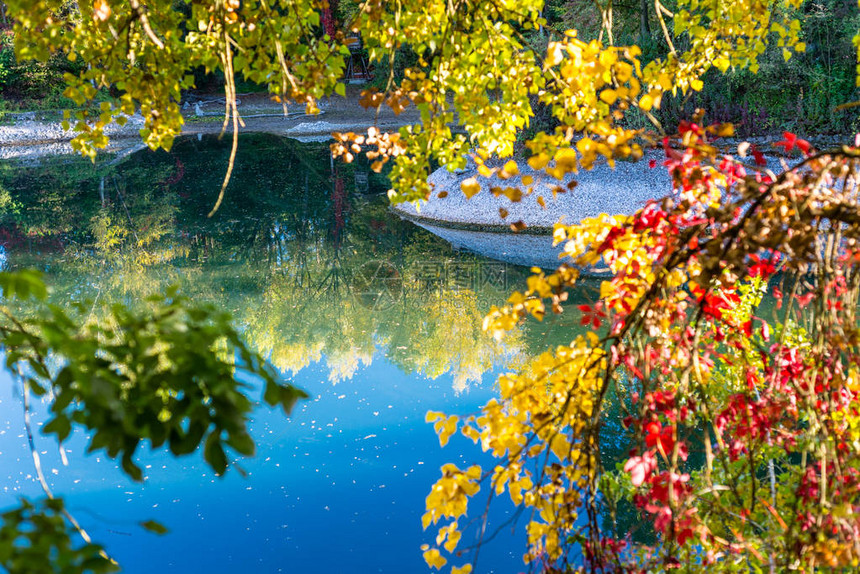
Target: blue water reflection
339, 486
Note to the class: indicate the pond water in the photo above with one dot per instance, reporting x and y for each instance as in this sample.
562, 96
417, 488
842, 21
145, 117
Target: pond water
377, 319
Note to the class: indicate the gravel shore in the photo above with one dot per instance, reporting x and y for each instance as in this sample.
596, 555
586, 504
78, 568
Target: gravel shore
604, 189
38, 134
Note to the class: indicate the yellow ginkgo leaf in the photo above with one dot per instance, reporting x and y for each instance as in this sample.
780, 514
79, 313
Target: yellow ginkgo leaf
646, 102
538, 161
470, 187
434, 559
609, 96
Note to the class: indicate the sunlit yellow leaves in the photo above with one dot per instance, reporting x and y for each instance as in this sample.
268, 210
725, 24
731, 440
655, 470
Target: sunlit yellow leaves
550, 401
609, 96
470, 187
483, 170
565, 163
538, 161
433, 416
560, 447
448, 537
473, 71
101, 10
471, 432
722, 64
465, 569
591, 81
736, 39
646, 102
434, 558
449, 497
543, 539
554, 54
146, 53
445, 428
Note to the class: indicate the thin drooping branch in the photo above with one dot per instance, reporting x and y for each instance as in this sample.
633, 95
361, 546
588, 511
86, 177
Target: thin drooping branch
231, 113
144, 22
37, 464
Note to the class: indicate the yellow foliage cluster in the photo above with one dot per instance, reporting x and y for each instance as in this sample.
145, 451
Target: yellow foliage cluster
542, 410
474, 85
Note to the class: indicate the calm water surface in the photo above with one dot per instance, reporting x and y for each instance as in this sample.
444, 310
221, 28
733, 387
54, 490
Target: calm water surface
378, 320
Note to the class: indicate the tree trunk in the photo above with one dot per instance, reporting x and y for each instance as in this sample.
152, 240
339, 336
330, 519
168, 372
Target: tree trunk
644, 24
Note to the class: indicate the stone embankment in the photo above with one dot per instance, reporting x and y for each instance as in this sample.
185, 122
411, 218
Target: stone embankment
483, 223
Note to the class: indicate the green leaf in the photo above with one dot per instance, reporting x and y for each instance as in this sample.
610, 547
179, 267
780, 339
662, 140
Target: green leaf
289, 396
131, 469
213, 453
60, 426
23, 285
242, 442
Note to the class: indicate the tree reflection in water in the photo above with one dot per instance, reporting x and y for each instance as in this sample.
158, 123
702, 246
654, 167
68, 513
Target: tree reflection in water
304, 253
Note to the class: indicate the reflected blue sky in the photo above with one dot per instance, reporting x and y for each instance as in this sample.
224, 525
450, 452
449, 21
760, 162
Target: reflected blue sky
339, 486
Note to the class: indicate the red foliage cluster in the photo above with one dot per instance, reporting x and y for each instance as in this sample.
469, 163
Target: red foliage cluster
685, 328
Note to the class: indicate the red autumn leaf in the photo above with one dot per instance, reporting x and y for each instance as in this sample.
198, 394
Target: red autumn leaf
652, 433
685, 126
592, 315
763, 267
791, 141
640, 468
788, 141
804, 300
